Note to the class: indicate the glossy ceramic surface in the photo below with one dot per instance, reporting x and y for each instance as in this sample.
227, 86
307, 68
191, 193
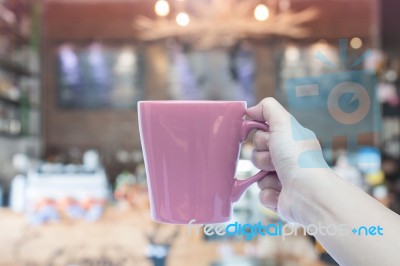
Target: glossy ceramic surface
191, 150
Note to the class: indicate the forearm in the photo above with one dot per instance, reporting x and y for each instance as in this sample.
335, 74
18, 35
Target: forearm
326, 199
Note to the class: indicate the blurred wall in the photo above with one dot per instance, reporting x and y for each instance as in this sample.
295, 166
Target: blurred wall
390, 22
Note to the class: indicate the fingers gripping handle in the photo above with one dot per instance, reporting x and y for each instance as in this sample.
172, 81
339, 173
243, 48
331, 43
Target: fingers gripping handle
239, 186
250, 125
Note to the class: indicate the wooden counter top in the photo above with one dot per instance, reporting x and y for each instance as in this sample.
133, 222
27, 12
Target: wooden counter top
118, 238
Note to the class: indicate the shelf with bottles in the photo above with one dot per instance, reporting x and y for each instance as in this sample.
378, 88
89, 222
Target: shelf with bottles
19, 68
15, 17
16, 38
7, 99
10, 89
17, 102
10, 121
10, 127
15, 32
18, 118
12, 35
14, 67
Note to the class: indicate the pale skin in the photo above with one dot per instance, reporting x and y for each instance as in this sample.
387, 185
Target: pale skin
317, 195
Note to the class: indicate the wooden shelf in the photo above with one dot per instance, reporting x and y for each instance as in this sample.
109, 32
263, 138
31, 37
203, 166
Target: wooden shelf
7, 31
10, 136
10, 101
15, 68
11, 30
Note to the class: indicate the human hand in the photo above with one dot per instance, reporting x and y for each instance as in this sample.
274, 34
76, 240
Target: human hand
277, 151
310, 193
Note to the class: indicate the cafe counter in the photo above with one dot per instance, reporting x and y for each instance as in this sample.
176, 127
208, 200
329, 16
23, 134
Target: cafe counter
118, 238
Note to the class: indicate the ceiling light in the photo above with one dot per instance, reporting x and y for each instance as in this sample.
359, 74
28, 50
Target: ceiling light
356, 43
182, 19
161, 8
261, 12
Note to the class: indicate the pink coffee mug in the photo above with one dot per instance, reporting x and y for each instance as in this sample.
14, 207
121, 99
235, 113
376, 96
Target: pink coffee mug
191, 149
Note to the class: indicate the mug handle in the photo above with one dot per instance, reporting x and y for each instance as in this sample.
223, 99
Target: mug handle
239, 186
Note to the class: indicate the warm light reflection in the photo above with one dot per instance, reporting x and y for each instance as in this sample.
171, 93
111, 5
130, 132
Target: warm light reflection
161, 8
261, 12
182, 19
356, 43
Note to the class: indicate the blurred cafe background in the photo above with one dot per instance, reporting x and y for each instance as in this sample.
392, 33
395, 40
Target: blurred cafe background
72, 178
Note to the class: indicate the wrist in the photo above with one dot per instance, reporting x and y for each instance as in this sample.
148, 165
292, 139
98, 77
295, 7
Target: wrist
308, 190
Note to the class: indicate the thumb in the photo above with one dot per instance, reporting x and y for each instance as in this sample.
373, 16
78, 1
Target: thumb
269, 110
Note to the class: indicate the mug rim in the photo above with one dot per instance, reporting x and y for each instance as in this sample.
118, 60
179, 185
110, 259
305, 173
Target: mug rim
189, 102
